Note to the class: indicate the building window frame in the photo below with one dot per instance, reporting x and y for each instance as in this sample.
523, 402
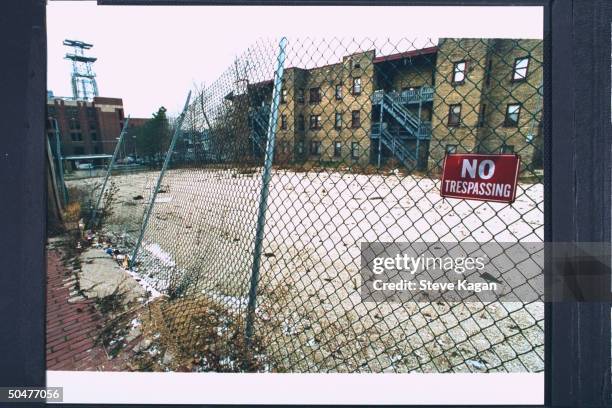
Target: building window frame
506, 149
355, 150
517, 71
482, 115
355, 119
76, 136
300, 95
338, 120
489, 72
337, 148
511, 119
454, 118
283, 95
338, 92
301, 125
283, 122
74, 123
462, 72
315, 122
315, 147
314, 95
356, 87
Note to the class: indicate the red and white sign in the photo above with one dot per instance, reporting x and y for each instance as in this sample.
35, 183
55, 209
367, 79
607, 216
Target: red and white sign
486, 177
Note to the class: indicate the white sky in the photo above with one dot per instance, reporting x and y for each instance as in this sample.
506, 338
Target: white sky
151, 56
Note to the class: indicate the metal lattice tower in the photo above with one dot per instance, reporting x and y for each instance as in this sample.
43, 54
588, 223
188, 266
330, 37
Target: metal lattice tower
83, 78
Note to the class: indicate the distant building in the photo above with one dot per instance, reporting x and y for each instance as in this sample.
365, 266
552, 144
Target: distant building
463, 95
88, 128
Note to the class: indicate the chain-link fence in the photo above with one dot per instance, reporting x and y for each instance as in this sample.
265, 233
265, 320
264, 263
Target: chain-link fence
282, 167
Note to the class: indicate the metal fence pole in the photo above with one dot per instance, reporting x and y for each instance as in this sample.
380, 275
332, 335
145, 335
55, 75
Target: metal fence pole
177, 133
263, 203
108, 171
60, 164
380, 131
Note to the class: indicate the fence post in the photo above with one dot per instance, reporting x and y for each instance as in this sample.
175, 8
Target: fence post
176, 135
263, 202
108, 171
60, 164
380, 131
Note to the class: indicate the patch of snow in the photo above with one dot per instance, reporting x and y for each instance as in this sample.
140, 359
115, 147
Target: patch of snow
160, 254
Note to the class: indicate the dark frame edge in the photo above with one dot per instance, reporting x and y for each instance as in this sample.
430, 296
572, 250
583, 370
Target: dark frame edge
577, 204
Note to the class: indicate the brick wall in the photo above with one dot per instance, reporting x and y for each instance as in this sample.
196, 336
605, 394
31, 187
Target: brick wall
468, 94
487, 82
88, 127
291, 140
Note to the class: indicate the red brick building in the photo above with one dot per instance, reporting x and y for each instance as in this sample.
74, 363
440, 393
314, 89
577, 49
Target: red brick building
85, 127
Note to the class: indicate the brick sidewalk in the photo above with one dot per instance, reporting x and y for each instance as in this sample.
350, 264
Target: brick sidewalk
73, 324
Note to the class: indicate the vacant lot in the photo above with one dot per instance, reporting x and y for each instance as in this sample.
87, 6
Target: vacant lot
200, 239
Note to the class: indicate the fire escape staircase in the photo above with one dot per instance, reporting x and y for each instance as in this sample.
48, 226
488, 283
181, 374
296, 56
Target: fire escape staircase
411, 127
259, 118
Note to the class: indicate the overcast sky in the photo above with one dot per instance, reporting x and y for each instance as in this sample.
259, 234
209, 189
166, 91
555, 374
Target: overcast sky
151, 56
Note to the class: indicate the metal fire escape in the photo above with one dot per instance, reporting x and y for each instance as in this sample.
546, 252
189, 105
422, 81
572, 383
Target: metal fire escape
259, 117
405, 143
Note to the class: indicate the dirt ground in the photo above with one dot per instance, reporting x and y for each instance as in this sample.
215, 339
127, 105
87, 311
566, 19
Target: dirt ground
198, 245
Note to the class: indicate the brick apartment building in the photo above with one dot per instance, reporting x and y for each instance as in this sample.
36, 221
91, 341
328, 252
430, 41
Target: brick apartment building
463, 95
87, 128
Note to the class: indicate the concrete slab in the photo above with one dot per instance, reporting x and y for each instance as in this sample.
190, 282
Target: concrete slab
100, 275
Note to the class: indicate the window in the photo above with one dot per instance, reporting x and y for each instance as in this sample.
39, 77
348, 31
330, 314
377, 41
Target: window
355, 119
78, 150
356, 86
282, 147
338, 120
300, 148
315, 147
301, 123
459, 72
337, 148
97, 150
284, 122
488, 73
451, 148
315, 95
93, 135
76, 136
338, 92
507, 148
356, 64
481, 115
454, 114
519, 73
513, 111
315, 121
354, 150
300, 95
74, 124
283, 97
92, 126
